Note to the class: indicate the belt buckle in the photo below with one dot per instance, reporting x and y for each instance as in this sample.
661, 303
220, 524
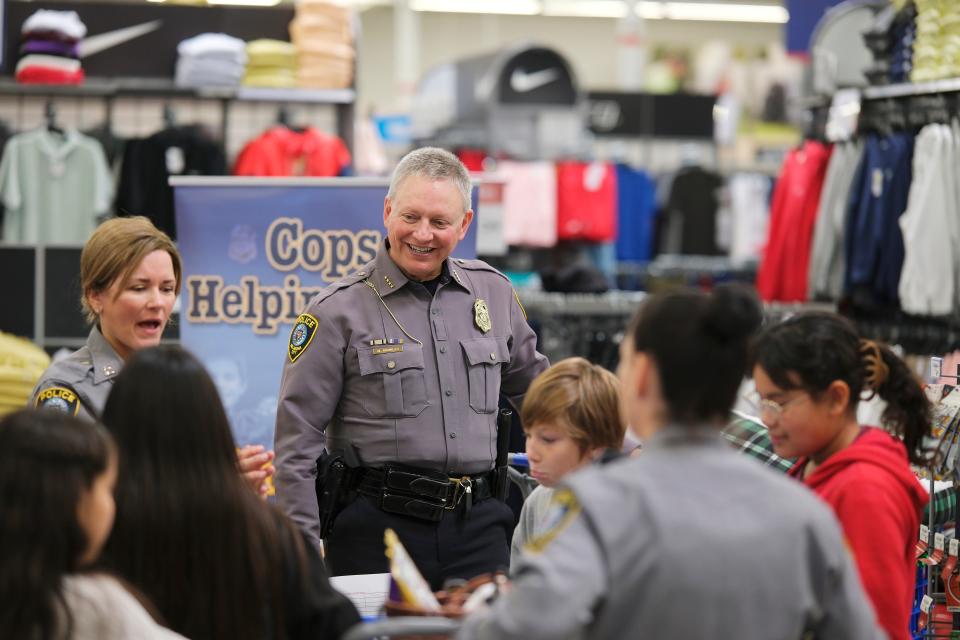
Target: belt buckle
461, 486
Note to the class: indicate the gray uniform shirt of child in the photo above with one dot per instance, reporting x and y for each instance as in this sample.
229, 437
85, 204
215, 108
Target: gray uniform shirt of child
80, 383
378, 363
690, 540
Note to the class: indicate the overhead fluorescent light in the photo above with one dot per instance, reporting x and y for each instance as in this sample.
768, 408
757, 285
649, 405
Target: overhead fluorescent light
506, 7
713, 12
647, 9
246, 3
585, 9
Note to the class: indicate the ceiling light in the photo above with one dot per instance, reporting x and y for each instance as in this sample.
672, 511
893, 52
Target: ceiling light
582, 9
246, 3
714, 12
506, 7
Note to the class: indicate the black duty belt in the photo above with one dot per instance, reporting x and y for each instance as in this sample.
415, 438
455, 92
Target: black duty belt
422, 494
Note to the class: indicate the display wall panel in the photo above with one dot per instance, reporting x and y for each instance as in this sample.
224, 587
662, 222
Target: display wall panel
63, 317
17, 313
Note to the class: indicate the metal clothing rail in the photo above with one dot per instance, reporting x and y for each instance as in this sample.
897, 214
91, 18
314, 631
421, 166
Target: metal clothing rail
908, 89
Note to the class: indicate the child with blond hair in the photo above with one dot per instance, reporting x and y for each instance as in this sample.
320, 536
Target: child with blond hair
570, 416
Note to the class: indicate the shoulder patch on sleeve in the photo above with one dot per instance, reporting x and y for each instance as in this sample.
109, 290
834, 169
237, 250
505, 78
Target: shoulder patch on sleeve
564, 509
301, 335
58, 398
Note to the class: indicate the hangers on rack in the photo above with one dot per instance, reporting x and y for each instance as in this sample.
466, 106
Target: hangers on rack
284, 119
169, 116
50, 118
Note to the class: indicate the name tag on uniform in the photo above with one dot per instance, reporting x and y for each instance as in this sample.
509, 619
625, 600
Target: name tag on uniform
396, 349
386, 345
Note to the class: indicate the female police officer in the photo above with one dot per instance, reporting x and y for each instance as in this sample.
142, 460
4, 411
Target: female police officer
690, 540
130, 275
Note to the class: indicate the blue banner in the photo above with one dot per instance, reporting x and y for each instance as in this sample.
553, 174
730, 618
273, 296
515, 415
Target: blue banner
804, 16
254, 252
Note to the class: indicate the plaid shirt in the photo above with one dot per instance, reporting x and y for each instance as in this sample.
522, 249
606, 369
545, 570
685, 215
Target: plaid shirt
750, 437
944, 504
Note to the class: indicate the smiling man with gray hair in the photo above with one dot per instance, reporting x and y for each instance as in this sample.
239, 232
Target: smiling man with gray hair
391, 386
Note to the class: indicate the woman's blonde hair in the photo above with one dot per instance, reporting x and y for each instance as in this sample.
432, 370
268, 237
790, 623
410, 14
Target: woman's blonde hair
583, 397
114, 251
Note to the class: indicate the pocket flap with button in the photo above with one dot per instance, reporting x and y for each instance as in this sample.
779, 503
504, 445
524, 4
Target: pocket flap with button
491, 350
410, 358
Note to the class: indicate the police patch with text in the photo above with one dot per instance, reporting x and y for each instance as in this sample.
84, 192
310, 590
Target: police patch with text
58, 399
301, 336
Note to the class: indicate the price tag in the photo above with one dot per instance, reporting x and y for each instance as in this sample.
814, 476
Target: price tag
925, 604
924, 534
955, 547
936, 367
939, 541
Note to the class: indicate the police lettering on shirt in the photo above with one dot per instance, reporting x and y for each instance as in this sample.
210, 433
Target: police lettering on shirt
301, 335
58, 399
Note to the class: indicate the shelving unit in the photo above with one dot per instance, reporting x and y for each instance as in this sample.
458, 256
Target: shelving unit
107, 89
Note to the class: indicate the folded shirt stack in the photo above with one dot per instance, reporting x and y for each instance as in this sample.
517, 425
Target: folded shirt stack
49, 52
270, 63
323, 35
211, 59
936, 50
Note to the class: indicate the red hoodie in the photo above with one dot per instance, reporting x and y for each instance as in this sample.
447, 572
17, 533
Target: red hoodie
878, 502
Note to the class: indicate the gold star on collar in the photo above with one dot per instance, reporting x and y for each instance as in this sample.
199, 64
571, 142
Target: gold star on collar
388, 281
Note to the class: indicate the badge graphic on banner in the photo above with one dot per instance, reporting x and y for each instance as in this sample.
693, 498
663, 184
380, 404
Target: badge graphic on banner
481, 315
302, 334
58, 399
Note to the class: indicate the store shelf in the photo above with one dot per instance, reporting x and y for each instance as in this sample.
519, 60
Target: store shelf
911, 89
266, 94
164, 88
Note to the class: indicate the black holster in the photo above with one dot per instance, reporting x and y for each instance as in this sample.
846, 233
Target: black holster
335, 485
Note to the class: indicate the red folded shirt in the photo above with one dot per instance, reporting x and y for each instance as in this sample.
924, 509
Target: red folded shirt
46, 75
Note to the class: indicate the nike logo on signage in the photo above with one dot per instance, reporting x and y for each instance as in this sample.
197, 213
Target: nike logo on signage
103, 41
522, 81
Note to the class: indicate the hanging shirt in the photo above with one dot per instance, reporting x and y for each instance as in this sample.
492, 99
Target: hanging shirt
689, 225
529, 203
873, 241
636, 213
786, 260
827, 264
931, 226
53, 187
281, 151
586, 201
750, 215
148, 164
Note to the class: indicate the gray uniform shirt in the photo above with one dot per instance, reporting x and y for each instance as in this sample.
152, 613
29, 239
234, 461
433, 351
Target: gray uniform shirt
80, 383
690, 540
532, 517
348, 380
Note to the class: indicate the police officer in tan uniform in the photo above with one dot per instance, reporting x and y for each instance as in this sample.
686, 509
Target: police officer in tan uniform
401, 364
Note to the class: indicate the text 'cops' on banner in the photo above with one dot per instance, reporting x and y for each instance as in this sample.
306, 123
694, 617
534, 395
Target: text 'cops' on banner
255, 251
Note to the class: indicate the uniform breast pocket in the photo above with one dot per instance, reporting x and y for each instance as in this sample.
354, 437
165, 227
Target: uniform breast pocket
395, 381
484, 357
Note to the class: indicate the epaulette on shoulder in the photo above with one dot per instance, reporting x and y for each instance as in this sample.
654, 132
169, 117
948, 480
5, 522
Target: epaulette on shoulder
478, 265
343, 283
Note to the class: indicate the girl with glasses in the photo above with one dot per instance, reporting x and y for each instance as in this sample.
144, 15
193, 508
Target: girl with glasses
811, 372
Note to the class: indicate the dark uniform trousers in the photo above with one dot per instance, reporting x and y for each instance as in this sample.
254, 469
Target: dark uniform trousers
460, 545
